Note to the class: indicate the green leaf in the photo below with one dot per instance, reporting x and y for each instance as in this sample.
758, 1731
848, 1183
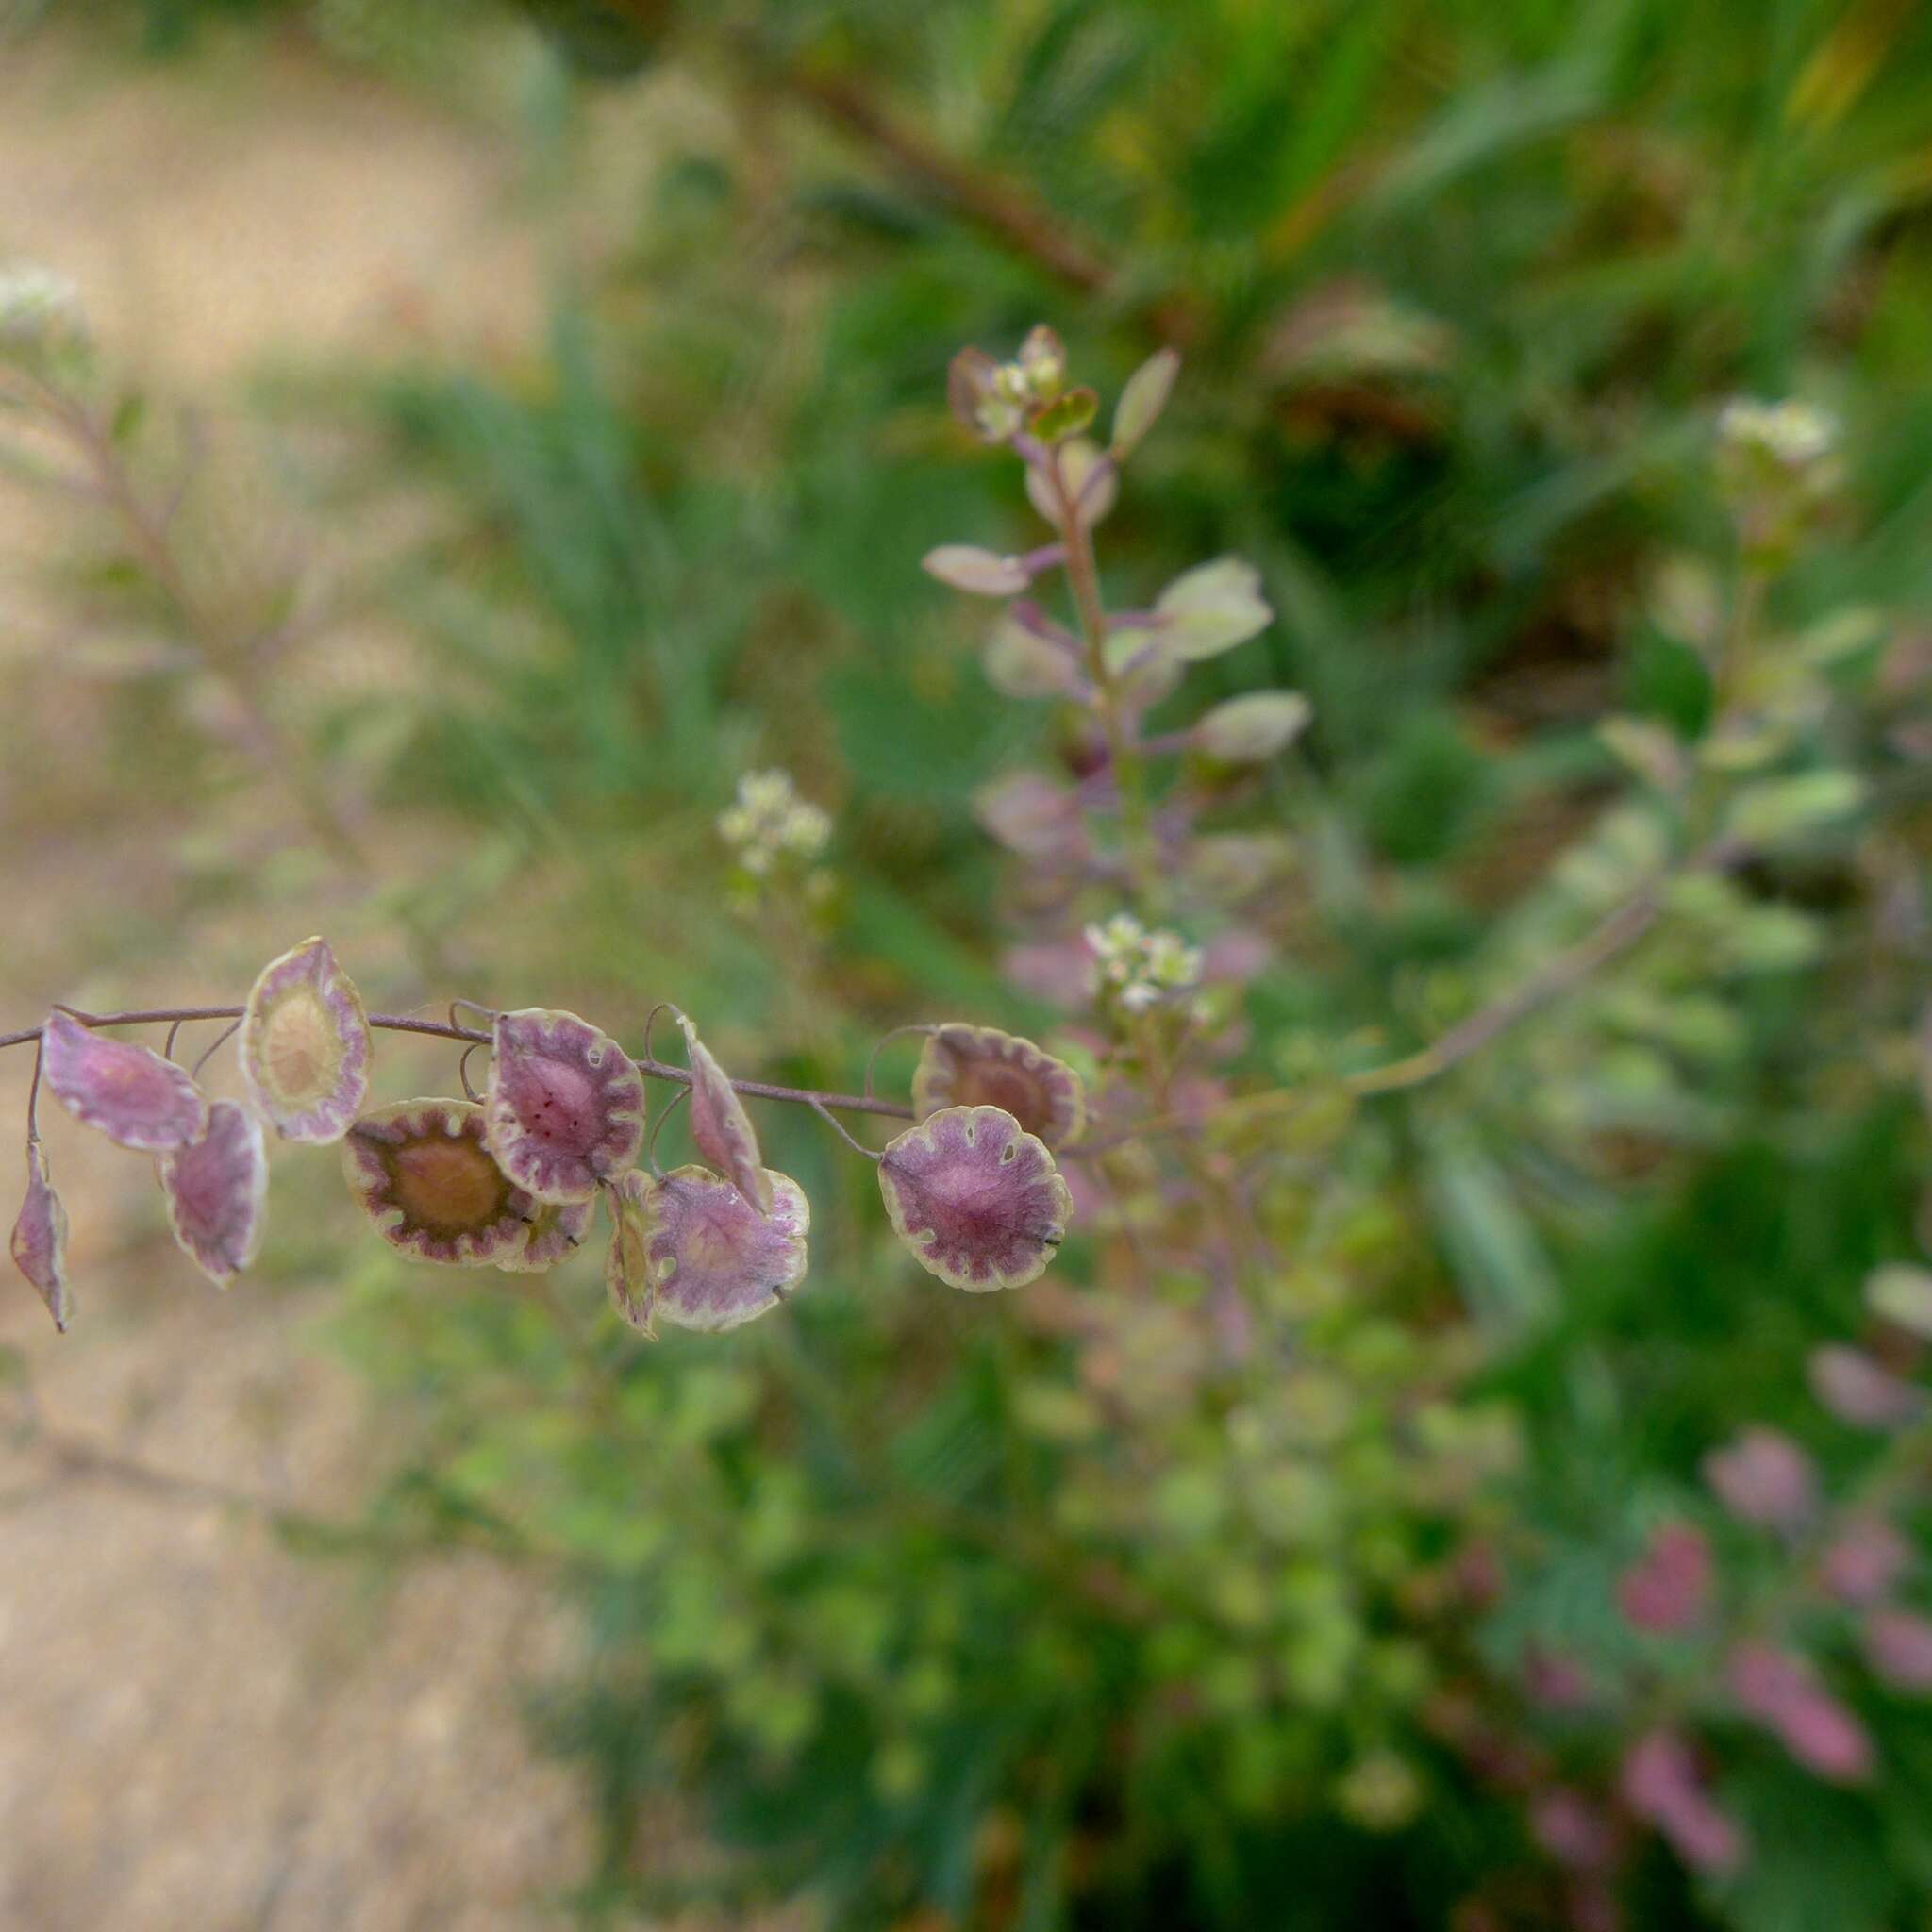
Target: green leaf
1143, 400
1065, 416
1785, 808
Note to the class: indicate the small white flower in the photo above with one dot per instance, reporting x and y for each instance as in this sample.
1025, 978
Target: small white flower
1794, 434
1171, 960
770, 823
807, 829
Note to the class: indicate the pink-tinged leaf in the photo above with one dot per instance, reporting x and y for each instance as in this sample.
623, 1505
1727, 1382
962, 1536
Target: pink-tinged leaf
1779, 1690
1093, 481
1022, 663
1858, 1391
981, 573
423, 1173
1763, 1477
305, 1046
1863, 1560
975, 1197
39, 1239
1031, 815
1898, 1646
130, 1095
701, 1256
1210, 609
1662, 1783
565, 1104
1668, 1589
217, 1193
719, 1126
980, 1066
556, 1234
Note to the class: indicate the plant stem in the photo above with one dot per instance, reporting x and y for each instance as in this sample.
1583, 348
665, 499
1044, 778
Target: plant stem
1123, 756
438, 1029
147, 536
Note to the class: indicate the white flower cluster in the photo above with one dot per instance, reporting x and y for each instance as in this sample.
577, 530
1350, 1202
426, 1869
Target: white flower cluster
39, 309
1793, 434
1142, 968
770, 823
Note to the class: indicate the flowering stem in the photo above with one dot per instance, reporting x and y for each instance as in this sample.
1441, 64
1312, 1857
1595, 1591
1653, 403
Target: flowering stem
438, 1029
1123, 757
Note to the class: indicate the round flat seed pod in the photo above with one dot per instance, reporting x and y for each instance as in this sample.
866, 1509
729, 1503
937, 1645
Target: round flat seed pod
128, 1093
975, 1197
217, 1193
566, 1107
719, 1126
711, 1260
39, 1239
424, 1174
555, 1235
980, 1066
305, 1046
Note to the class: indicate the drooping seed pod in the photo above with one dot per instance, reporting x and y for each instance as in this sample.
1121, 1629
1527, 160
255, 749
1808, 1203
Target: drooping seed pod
565, 1104
217, 1193
975, 1197
720, 1127
39, 1239
130, 1095
305, 1046
423, 1173
555, 1235
626, 1262
706, 1256
980, 1066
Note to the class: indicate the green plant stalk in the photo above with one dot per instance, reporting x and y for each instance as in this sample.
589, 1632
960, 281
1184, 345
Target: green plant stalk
1123, 755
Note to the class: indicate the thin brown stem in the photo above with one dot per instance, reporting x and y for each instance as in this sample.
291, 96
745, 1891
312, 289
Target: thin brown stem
1123, 756
438, 1029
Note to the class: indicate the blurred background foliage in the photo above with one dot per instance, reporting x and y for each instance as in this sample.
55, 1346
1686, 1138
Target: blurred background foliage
1071, 1611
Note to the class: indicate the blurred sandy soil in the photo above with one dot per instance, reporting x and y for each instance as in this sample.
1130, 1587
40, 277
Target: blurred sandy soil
197, 1729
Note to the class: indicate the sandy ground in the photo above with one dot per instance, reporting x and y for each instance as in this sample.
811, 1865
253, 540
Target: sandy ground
199, 1729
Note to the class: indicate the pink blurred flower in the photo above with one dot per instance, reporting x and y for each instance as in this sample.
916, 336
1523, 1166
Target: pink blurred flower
1662, 1783
1898, 1646
1863, 1560
1668, 1588
1555, 1681
1572, 1830
1779, 1690
1763, 1477
1055, 970
1858, 1391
